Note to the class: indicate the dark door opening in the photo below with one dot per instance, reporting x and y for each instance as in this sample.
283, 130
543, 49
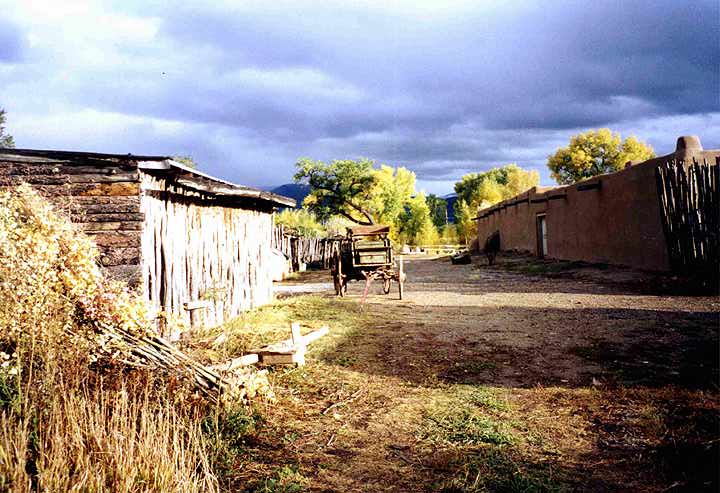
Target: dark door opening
541, 235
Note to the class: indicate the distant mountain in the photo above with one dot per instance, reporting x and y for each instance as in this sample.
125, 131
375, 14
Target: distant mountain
450, 199
297, 191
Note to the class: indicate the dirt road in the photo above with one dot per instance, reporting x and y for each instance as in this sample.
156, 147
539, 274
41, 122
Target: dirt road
521, 377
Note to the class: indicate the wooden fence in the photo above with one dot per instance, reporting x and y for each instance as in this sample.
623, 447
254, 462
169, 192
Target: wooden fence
689, 207
301, 249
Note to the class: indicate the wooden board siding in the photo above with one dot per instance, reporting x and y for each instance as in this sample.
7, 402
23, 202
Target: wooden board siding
200, 247
197, 246
102, 196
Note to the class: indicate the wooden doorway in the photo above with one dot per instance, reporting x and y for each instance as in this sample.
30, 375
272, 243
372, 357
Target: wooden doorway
542, 247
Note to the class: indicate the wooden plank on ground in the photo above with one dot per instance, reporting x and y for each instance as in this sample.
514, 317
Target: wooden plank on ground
290, 351
235, 363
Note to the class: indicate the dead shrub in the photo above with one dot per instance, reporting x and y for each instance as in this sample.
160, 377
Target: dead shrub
65, 424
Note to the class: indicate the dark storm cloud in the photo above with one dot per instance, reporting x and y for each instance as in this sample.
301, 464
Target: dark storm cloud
562, 65
436, 90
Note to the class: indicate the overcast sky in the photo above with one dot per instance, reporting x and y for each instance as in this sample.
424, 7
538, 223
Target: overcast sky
443, 88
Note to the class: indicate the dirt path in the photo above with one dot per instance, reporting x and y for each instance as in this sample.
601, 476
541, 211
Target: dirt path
484, 379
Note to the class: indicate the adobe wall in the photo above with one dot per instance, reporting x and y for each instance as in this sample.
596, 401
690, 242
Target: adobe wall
613, 218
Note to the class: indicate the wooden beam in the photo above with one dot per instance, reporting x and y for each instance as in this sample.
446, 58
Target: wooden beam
297, 358
295, 332
197, 305
290, 351
315, 335
235, 363
582, 187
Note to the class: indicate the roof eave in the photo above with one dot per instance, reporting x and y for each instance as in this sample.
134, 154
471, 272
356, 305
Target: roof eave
216, 186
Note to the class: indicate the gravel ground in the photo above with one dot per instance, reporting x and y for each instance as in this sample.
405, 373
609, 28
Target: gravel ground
611, 384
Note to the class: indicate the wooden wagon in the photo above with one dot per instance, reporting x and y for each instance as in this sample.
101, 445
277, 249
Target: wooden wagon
366, 254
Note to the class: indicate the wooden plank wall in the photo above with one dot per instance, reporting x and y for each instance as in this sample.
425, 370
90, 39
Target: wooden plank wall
196, 250
101, 196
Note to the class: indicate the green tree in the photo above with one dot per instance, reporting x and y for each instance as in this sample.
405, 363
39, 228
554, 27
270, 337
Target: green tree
595, 153
416, 226
438, 211
342, 187
479, 190
356, 190
6, 141
301, 221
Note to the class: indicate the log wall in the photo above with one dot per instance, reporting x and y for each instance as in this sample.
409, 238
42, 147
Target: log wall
101, 196
203, 253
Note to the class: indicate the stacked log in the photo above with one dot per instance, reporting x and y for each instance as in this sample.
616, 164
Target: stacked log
102, 196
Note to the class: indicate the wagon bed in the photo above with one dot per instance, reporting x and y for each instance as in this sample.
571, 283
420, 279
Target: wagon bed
366, 254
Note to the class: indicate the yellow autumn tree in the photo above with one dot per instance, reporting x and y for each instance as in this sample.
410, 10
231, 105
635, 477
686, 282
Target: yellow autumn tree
479, 190
416, 226
593, 153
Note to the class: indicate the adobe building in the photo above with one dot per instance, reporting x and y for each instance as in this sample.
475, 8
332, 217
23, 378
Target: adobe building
613, 218
197, 246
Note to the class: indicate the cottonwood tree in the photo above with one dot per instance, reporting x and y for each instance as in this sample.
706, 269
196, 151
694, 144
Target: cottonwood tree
479, 190
356, 190
416, 226
342, 187
438, 211
393, 190
6, 141
595, 153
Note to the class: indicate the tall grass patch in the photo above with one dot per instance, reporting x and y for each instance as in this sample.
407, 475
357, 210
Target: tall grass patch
70, 420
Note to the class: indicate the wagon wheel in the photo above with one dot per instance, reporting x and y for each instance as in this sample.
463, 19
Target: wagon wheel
335, 269
386, 285
401, 279
341, 287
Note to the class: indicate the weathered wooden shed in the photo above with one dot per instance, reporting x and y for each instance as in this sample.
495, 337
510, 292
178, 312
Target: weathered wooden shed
195, 245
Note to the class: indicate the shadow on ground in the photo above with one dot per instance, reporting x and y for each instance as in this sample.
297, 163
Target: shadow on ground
611, 387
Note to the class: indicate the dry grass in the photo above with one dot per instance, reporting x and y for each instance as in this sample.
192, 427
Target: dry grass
96, 439
67, 421
271, 323
378, 409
